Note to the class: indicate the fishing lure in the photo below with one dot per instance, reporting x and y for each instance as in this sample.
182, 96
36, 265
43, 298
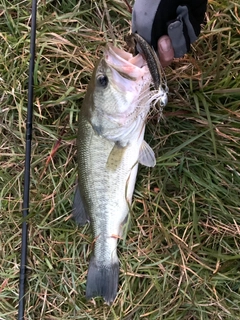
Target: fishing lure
155, 68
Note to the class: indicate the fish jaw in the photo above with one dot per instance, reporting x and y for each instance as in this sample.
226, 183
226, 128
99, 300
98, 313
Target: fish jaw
132, 67
129, 76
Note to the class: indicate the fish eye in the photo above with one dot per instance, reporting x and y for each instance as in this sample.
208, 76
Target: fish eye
102, 80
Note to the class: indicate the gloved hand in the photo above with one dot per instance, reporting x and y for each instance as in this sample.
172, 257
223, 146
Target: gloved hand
170, 26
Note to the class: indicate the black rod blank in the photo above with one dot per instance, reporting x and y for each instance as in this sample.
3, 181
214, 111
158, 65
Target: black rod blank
26, 187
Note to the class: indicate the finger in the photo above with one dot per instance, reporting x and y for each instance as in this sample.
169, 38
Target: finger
165, 50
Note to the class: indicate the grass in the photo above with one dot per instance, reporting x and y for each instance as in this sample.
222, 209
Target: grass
180, 257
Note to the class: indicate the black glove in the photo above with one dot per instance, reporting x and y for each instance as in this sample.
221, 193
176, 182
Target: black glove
180, 20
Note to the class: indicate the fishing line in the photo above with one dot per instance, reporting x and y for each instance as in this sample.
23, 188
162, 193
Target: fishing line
26, 186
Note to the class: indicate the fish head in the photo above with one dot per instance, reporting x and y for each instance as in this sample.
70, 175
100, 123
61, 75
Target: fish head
120, 78
120, 87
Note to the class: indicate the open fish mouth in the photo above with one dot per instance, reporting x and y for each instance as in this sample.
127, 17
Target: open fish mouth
127, 73
126, 67
129, 66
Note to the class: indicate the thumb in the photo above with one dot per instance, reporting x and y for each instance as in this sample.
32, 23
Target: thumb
165, 50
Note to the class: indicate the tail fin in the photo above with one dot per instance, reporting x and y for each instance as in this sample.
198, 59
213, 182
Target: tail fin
102, 281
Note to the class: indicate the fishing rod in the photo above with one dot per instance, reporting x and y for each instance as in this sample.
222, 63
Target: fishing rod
26, 186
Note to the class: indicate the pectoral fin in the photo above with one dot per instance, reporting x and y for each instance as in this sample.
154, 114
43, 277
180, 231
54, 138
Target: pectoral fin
146, 155
79, 212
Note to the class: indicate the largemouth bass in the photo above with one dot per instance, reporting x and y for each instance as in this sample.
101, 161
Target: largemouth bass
110, 144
